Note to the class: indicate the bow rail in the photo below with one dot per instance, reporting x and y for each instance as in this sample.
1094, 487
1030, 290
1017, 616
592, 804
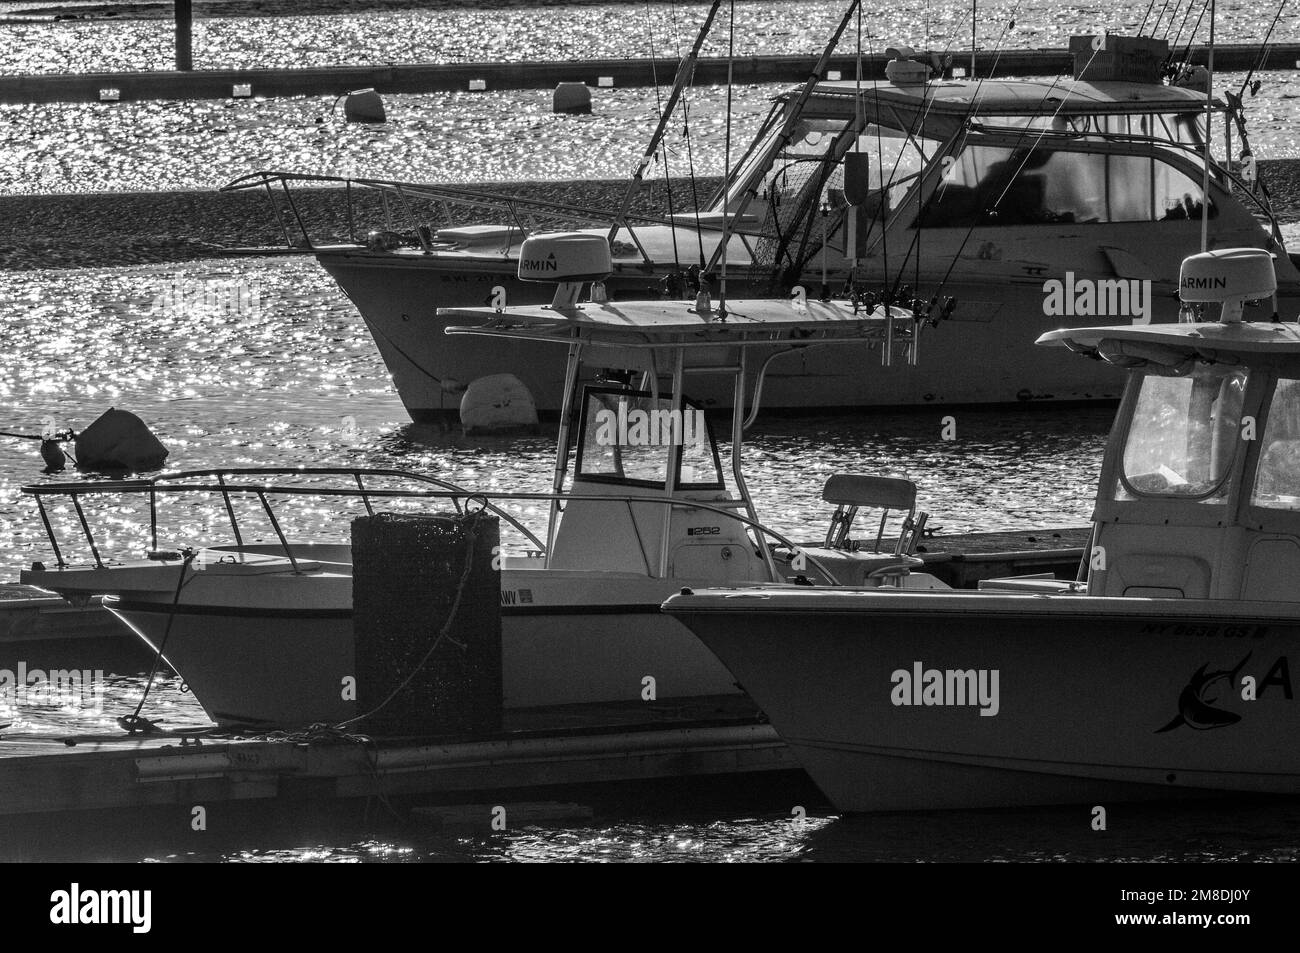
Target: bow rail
398, 201
229, 483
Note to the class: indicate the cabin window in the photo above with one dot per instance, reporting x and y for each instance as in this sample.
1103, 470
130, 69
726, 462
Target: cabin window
626, 437
792, 166
1183, 436
1277, 478
1182, 128
994, 185
895, 160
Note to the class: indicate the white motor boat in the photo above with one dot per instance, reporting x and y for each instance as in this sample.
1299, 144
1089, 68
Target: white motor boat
1167, 673
641, 505
1030, 202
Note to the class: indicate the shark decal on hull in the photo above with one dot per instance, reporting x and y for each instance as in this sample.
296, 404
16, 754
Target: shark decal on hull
1196, 703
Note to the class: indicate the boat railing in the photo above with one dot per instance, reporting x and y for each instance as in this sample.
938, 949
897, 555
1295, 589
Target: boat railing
419, 205
229, 483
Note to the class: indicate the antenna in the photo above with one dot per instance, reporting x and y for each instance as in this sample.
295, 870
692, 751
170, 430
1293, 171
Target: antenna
1209, 116
685, 73
726, 152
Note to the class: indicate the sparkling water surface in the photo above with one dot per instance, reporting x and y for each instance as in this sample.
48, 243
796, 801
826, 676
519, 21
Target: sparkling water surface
473, 33
454, 137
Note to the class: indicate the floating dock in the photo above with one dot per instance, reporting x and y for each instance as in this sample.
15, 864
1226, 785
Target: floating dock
961, 561
29, 615
478, 77
539, 748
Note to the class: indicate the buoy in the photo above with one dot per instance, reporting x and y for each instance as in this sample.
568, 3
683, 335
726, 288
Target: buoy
119, 440
497, 403
364, 105
571, 98
53, 455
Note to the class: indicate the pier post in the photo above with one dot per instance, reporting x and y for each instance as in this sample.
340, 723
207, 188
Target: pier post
426, 613
184, 31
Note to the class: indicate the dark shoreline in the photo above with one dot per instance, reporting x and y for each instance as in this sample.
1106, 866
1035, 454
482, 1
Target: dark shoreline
106, 229
114, 229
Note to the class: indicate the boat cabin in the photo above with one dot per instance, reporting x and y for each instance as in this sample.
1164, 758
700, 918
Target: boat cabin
990, 171
1199, 496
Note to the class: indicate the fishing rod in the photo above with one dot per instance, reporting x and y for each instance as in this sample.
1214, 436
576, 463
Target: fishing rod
1263, 52
685, 73
1209, 117
668, 181
726, 152
893, 290
1237, 112
787, 129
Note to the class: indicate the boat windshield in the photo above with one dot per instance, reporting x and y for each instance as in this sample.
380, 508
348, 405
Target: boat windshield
626, 437
998, 186
895, 159
1184, 435
1277, 478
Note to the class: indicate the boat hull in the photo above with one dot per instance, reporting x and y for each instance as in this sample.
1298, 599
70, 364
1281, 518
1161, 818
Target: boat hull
287, 668
986, 350
1095, 698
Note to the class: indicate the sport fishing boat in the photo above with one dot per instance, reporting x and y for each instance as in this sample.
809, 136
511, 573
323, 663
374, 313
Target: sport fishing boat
1167, 673
1028, 201
262, 632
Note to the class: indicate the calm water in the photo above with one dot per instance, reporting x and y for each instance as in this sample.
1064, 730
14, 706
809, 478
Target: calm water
558, 32
434, 137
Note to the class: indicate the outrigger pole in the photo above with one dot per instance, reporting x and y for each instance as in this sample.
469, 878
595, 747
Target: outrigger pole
787, 129
1209, 115
685, 71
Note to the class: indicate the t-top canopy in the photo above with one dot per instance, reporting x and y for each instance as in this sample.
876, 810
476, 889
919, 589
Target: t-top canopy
760, 322
1170, 345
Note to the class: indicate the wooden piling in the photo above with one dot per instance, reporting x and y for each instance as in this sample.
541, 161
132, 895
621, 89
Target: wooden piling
184, 35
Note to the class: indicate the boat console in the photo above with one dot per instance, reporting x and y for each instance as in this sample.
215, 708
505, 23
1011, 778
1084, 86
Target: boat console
1199, 496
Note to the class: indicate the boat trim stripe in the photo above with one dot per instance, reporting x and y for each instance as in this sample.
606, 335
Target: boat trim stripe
158, 608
